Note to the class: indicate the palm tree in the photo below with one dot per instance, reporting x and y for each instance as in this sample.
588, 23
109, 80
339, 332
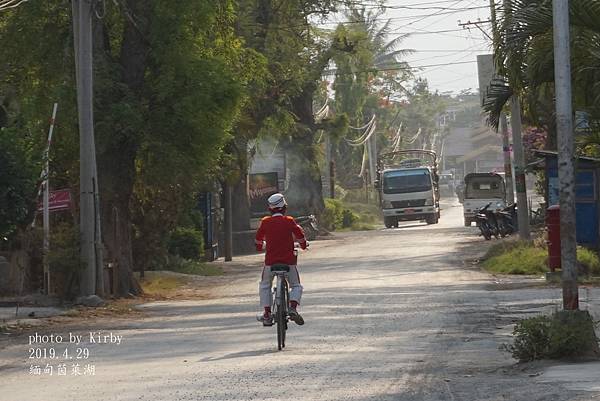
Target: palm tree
373, 68
524, 56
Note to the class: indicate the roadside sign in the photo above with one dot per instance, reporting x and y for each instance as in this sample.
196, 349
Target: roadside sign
262, 186
58, 200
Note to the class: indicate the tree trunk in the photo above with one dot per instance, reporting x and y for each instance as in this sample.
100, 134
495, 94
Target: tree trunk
241, 204
116, 158
305, 191
116, 178
239, 194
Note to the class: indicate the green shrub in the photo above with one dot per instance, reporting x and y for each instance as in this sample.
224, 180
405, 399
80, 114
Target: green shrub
506, 245
531, 257
565, 334
349, 218
186, 242
531, 339
589, 261
516, 257
332, 216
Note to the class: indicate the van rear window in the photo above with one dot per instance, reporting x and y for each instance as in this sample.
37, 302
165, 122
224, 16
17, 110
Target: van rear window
484, 188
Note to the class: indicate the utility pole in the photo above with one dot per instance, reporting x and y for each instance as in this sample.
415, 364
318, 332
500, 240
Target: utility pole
519, 155
82, 31
228, 223
566, 154
510, 196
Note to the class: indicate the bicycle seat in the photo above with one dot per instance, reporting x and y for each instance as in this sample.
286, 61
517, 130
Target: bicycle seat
280, 268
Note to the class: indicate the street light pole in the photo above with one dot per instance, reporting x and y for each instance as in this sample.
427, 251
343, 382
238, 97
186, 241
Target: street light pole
566, 155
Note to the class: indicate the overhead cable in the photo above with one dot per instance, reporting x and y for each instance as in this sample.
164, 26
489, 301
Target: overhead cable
7, 4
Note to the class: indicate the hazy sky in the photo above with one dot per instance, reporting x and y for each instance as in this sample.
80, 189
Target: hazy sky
421, 18
445, 47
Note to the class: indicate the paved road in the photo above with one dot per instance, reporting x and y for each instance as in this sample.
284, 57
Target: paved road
390, 315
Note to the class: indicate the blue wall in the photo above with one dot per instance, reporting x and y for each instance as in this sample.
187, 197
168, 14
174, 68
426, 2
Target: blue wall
586, 199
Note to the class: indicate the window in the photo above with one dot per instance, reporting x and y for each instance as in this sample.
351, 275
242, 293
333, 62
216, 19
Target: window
404, 181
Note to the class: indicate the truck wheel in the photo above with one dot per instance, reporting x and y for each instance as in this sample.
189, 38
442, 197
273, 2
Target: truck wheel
467, 222
433, 219
389, 222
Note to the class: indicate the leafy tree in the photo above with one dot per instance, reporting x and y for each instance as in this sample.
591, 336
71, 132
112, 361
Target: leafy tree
525, 56
370, 77
168, 88
296, 55
19, 171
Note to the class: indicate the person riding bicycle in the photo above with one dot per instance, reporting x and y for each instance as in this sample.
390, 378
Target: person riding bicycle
280, 232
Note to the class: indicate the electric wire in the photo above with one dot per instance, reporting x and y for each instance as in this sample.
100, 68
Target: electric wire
8, 4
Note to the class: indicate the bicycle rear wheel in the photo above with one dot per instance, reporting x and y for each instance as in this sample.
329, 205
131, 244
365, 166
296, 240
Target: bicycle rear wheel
285, 306
281, 316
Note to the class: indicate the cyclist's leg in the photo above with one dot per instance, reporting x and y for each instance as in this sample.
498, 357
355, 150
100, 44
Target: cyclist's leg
264, 290
265, 287
295, 286
295, 294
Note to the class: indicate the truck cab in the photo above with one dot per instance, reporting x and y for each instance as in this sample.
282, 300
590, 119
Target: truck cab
481, 189
408, 189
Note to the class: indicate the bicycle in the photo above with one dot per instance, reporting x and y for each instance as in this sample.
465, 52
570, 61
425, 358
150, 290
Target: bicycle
280, 297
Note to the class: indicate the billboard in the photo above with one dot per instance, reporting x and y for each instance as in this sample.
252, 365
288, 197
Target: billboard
262, 185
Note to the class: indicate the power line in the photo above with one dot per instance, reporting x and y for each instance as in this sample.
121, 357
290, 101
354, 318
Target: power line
467, 50
419, 17
450, 50
383, 69
396, 7
7, 4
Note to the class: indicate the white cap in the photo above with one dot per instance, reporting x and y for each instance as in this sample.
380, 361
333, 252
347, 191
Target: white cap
276, 201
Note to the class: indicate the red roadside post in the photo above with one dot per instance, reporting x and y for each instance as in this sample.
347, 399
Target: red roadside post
553, 226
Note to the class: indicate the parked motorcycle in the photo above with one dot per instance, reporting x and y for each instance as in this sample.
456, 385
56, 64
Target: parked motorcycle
309, 225
487, 223
505, 219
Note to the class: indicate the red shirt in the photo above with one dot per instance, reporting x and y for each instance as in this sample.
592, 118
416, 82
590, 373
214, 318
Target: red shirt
279, 232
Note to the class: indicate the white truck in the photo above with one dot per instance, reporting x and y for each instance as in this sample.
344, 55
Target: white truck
481, 189
408, 187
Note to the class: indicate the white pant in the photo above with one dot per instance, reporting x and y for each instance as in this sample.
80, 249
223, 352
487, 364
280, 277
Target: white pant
267, 280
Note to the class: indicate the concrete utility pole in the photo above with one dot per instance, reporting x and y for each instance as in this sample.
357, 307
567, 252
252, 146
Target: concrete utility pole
566, 154
519, 155
82, 31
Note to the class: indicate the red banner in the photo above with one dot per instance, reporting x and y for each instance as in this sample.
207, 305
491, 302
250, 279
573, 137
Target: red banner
58, 201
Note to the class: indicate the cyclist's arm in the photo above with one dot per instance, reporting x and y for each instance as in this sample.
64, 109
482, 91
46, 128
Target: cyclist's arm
299, 234
260, 237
